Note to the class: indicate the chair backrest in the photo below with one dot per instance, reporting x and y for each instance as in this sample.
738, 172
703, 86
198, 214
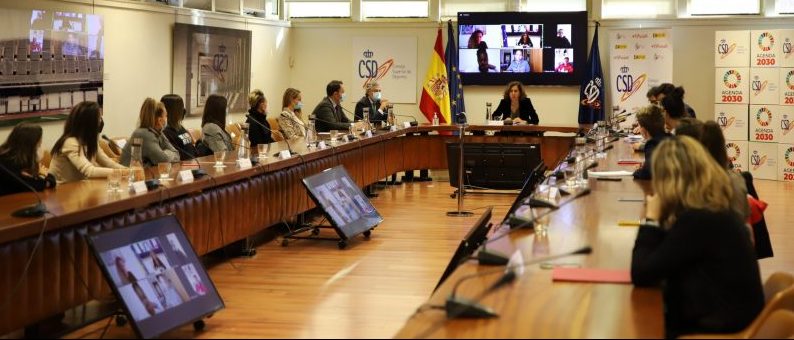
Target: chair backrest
196, 134
46, 159
783, 300
776, 283
779, 325
235, 132
276, 129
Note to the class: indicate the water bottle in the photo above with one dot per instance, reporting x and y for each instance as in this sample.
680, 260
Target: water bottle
390, 113
136, 162
244, 149
580, 160
435, 118
488, 111
311, 134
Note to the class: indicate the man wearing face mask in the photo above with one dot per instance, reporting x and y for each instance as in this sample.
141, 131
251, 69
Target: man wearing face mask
329, 112
373, 101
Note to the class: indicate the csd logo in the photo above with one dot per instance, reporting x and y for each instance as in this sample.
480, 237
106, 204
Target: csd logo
787, 47
369, 69
732, 79
766, 41
724, 49
763, 116
627, 85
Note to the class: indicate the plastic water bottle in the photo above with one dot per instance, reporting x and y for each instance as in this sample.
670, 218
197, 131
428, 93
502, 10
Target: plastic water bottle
136, 162
487, 111
311, 134
435, 119
244, 150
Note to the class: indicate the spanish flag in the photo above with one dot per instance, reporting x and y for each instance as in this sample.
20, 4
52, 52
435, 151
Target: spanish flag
435, 88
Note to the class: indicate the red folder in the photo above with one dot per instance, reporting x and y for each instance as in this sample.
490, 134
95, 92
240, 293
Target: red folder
591, 275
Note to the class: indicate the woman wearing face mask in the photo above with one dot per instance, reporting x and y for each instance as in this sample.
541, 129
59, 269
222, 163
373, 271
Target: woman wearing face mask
177, 135
155, 147
213, 122
19, 161
77, 155
291, 125
258, 128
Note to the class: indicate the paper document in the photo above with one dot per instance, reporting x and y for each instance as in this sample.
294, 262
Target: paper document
591, 275
619, 173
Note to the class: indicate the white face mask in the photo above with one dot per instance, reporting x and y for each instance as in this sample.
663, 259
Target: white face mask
376, 95
342, 98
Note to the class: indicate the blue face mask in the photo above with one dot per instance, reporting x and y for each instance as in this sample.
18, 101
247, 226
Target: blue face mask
342, 98
376, 95
299, 106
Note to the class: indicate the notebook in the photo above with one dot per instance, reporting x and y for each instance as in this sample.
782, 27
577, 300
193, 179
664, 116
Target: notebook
591, 275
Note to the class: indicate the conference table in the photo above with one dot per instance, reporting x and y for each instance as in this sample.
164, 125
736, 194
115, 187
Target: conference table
534, 306
228, 205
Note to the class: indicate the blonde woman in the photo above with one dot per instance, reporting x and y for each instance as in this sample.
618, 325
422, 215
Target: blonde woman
694, 242
155, 148
291, 125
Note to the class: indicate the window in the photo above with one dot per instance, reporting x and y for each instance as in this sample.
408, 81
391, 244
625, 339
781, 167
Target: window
784, 6
555, 6
711, 7
394, 9
318, 9
450, 8
618, 9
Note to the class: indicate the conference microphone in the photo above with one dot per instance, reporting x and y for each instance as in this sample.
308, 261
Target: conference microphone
112, 143
36, 210
197, 173
286, 140
414, 122
350, 137
457, 307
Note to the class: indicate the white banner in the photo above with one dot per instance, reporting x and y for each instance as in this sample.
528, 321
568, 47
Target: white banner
732, 118
763, 160
786, 157
785, 124
764, 123
732, 85
738, 154
765, 48
786, 91
785, 55
391, 61
639, 59
732, 49
764, 85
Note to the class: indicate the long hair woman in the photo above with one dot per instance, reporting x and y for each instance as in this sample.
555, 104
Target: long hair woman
694, 242
19, 161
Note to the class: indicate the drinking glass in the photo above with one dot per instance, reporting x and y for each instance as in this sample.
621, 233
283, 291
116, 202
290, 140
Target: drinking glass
114, 180
541, 217
263, 149
334, 136
164, 169
570, 176
219, 157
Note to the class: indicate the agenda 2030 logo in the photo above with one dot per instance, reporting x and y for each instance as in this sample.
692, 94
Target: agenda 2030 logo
732, 79
763, 116
789, 156
790, 80
766, 41
627, 85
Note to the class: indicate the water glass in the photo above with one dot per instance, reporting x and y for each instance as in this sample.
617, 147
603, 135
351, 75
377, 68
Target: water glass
334, 136
541, 217
263, 149
219, 157
114, 180
164, 169
570, 176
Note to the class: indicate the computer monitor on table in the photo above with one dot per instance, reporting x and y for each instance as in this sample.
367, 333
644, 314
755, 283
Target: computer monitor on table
473, 239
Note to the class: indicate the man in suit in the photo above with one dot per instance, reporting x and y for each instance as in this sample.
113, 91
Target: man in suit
372, 100
329, 112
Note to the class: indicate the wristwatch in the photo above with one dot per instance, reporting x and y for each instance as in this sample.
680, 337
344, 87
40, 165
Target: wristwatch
649, 222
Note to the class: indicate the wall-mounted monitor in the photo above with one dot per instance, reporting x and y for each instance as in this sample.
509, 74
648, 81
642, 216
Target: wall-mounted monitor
155, 273
534, 48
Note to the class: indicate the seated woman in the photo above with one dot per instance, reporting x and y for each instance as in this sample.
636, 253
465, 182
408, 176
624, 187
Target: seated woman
652, 130
524, 41
289, 121
258, 128
77, 155
155, 148
177, 135
674, 109
19, 161
213, 122
516, 106
694, 243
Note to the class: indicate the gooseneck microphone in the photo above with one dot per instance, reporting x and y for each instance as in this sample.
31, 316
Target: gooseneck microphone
286, 140
112, 143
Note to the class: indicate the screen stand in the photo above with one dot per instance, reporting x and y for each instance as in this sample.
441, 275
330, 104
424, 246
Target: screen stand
461, 188
315, 232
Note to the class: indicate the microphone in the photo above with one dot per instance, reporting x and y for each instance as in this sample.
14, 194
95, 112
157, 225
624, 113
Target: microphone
36, 210
351, 137
112, 143
414, 122
457, 307
286, 140
197, 173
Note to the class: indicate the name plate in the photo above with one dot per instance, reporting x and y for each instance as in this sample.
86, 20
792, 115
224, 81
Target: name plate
186, 176
406, 124
322, 145
139, 187
284, 154
368, 134
244, 163
345, 139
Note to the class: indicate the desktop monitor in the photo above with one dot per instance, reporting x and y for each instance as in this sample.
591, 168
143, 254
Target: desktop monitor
155, 273
473, 239
534, 177
342, 201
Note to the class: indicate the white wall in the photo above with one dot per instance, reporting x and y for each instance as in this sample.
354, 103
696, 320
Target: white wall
138, 44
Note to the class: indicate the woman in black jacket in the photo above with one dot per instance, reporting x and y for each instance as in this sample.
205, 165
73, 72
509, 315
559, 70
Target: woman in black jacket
177, 135
258, 128
516, 105
695, 245
19, 161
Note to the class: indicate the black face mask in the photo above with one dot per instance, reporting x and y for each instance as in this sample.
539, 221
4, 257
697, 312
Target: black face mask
101, 125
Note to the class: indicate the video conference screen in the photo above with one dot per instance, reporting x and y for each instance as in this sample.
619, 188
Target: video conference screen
345, 205
157, 276
71, 34
496, 48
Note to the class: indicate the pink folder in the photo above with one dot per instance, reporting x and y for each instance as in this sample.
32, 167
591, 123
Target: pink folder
591, 275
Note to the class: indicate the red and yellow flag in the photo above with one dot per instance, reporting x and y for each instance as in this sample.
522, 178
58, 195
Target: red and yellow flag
435, 88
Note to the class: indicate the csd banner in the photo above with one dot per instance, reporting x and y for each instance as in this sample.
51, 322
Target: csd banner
785, 55
763, 160
731, 49
390, 61
638, 59
732, 118
786, 157
764, 85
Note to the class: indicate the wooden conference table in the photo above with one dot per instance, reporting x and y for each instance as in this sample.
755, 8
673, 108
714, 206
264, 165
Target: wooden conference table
220, 209
535, 307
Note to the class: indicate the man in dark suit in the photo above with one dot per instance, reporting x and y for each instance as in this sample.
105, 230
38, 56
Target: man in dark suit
329, 112
372, 100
